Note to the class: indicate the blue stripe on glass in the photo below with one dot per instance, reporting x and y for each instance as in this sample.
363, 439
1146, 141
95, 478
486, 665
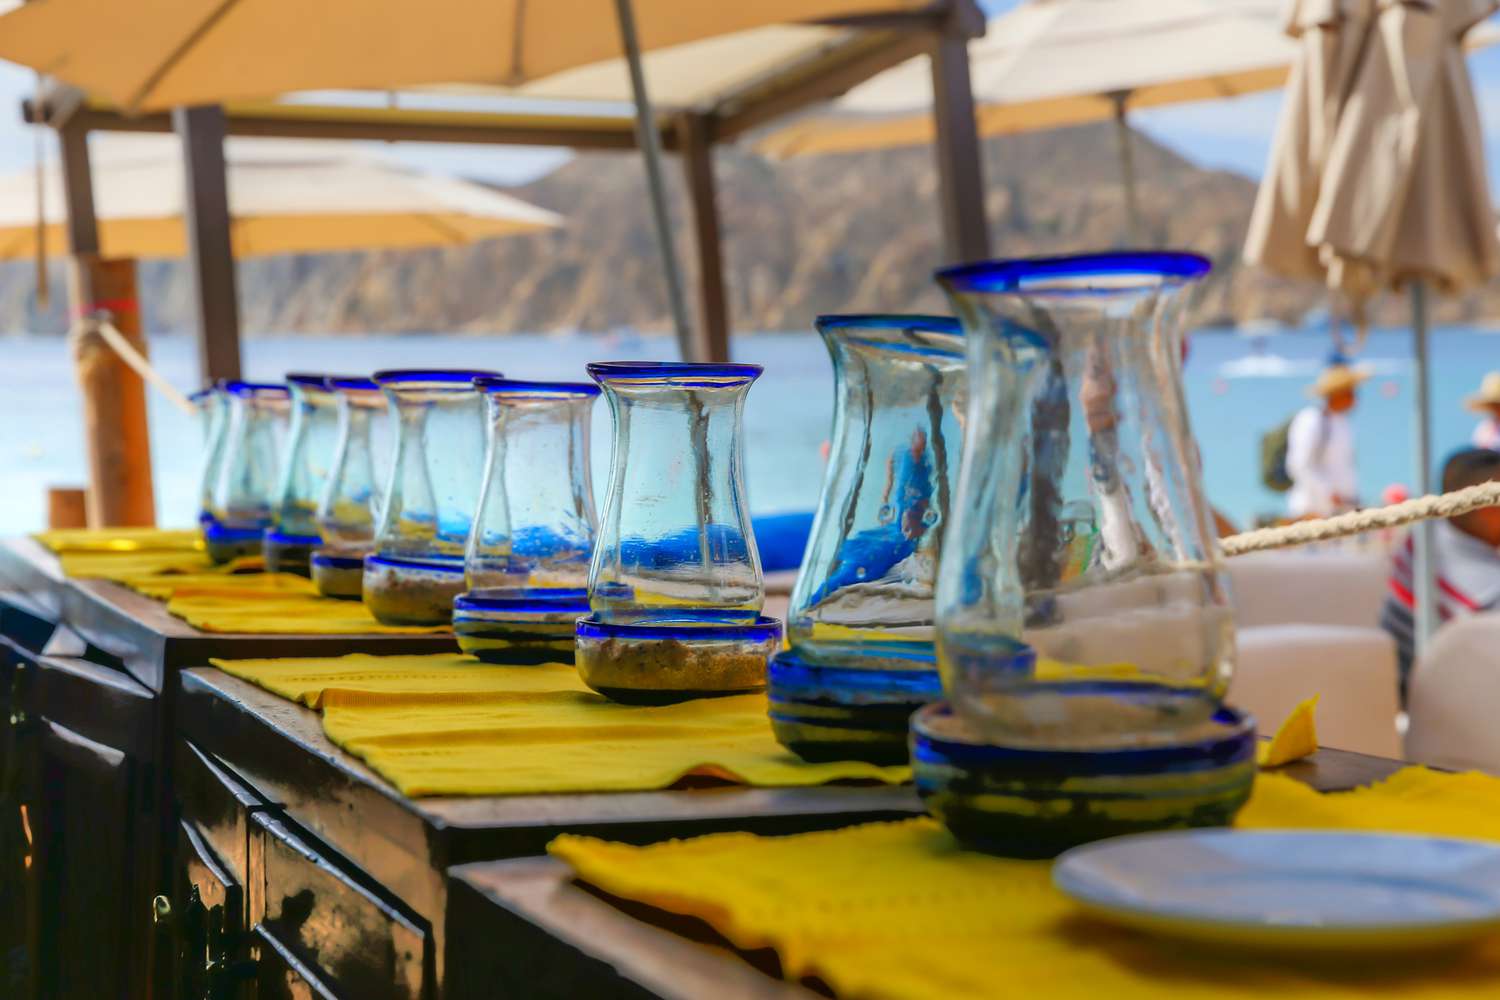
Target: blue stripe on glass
457, 376
456, 565
362, 383
790, 676
889, 321
275, 537
238, 388
680, 626
1014, 275
503, 385
337, 562
674, 372
525, 600
204, 393
308, 379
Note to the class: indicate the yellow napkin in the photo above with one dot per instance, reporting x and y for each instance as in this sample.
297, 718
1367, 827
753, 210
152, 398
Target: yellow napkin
449, 726
279, 610
66, 540
1297, 737
233, 578
899, 911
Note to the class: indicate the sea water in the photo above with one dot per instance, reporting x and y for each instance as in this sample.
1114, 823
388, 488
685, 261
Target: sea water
1237, 387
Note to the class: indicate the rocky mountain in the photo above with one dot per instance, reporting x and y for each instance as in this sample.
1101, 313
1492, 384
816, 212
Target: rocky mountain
855, 232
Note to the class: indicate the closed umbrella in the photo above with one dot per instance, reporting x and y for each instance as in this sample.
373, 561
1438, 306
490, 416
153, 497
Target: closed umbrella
1400, 198
285, 196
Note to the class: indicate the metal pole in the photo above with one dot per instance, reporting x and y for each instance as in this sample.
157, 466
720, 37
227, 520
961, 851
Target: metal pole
1127, 168
1425, 619
650, 141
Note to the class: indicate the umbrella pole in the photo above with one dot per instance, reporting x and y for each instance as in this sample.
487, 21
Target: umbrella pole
1127, 169
1425, 616
650, 142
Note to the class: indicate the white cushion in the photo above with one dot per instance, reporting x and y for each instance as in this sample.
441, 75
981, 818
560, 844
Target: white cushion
1454, 697
1326, 587
1352, 670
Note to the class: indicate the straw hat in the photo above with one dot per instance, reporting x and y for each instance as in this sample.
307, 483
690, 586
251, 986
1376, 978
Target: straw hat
1337, 378
1488, 394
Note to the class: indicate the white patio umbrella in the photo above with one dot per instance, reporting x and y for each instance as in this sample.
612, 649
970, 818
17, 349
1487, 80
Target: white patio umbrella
285, 196
1050, 63
1377, 176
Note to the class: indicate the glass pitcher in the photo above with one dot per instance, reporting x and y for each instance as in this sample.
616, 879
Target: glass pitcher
350, 506
860, 625
417, 567
675, 585
1081, 603
212, 408
305, 466
246, 481
527, 563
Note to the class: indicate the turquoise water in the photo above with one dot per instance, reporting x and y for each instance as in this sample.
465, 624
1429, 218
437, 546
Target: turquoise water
1237, 389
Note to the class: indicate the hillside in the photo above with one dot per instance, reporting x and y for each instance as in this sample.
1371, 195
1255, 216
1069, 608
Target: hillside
823, 234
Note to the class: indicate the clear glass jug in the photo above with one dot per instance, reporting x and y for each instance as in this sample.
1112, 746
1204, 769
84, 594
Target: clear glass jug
417, 567
675, 585
1081, 602
860, 625
305, 465
350, 506
246, 482
212, 407
528, 558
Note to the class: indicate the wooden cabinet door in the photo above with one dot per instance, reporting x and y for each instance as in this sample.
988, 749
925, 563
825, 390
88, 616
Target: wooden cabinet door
202, 930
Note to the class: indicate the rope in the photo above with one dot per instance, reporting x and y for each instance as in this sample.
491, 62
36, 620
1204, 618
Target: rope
99, 324
1357, 522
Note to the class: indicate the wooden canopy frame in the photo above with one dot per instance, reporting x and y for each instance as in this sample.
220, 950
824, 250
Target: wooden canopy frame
941, 31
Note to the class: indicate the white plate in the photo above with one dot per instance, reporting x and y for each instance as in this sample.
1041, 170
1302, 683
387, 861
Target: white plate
1291, 889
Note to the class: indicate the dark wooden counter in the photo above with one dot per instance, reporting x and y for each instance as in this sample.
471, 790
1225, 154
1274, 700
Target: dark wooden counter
525, 928
405, 845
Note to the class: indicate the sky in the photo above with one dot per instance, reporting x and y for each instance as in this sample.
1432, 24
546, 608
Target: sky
1230, 134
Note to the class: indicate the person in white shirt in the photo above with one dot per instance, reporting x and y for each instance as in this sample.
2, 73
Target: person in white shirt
1320, 447
1487, 401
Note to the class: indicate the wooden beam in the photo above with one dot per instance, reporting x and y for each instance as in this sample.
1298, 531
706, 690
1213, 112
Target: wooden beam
78, 192
960, 166
827, 83
710, 335
210, 255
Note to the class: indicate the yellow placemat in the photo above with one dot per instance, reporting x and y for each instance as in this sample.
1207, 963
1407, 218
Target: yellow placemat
67, 540
293, 609
230, 579
899, 911
449, 726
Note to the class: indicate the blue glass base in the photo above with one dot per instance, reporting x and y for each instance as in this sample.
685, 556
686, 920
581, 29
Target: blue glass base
519, 625
412, 590
289, 553
340, 576
1034, 803
823, 713
686, 654
224, 542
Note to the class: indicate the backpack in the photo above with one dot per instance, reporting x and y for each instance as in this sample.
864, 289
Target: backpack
1273, 471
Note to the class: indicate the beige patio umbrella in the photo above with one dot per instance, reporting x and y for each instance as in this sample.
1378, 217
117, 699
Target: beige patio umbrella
1379, 165
285, 196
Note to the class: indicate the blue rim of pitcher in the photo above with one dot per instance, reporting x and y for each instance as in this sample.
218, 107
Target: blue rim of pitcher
276, 537
1012, 275
430, 564
679, 626
218, 531
1233, 743
207, 392
235, 387
462, 378
352, 383
682, 373
337, 562
890, 321
791, 676
308, 380
525, 601
500, 384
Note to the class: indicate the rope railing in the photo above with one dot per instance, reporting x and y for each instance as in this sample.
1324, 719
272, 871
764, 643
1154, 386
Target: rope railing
1357, 522
99, 324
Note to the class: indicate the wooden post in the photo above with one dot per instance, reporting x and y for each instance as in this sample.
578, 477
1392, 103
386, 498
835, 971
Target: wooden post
67, 507
710, 336
210, 255
960, 170
114, 401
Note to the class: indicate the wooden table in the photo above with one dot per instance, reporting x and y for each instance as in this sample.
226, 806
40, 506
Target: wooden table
349, 823
525, 928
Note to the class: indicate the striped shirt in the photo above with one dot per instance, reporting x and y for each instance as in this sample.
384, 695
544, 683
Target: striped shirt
1467, 572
